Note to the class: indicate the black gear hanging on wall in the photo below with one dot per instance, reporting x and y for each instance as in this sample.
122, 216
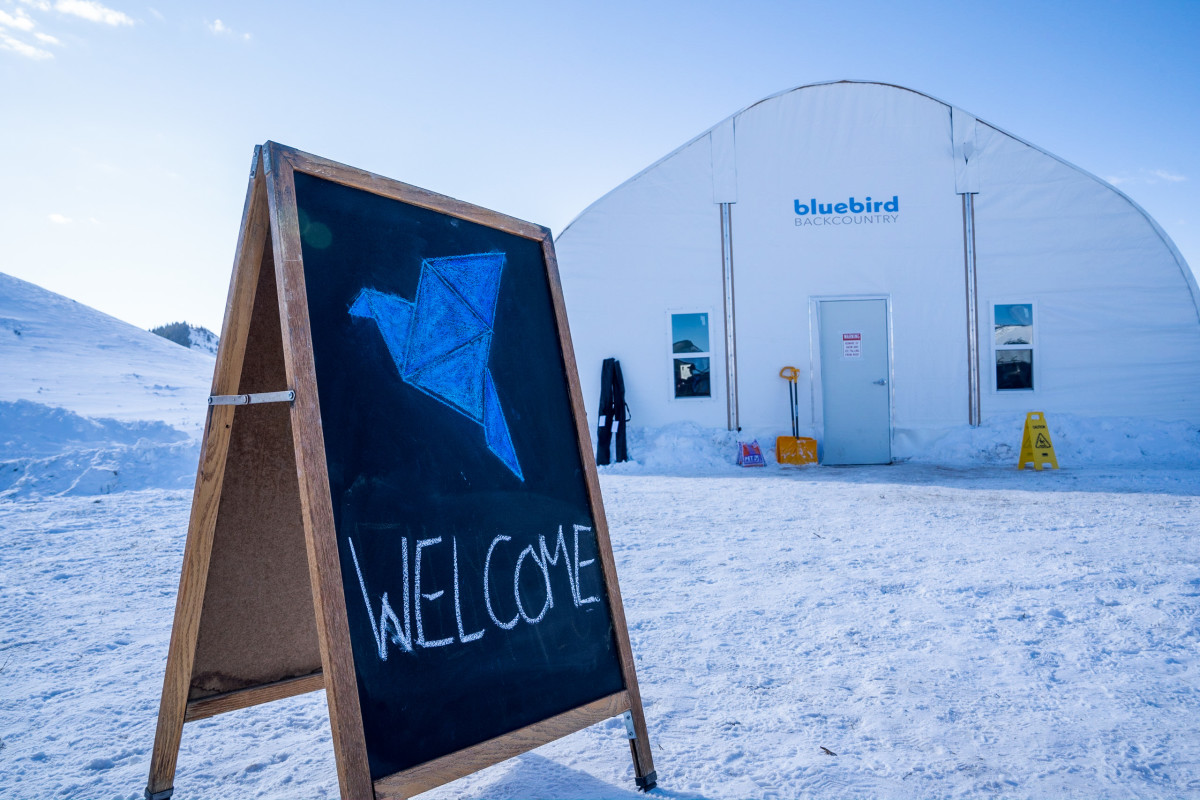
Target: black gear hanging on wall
614, 412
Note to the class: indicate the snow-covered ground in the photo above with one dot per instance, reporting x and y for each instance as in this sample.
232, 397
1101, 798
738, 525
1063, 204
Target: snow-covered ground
945, 632
945, 628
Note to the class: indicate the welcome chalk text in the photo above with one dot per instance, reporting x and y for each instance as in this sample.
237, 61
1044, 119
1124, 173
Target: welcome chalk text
390, 628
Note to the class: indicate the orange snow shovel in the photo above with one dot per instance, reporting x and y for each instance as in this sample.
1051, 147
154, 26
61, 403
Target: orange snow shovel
794, 449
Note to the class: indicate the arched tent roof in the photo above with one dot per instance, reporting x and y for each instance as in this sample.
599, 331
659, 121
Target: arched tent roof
1184, 270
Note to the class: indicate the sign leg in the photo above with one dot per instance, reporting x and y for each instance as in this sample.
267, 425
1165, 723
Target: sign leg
639, 748
181, 653
210, 476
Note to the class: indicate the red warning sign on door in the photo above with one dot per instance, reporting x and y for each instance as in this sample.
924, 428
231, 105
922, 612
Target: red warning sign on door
851, 345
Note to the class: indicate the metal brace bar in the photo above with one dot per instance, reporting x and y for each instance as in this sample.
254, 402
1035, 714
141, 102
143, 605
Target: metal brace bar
251, 399
731, 375
974, 417
630, 733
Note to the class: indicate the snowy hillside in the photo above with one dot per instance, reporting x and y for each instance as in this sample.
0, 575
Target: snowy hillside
61, 353
203, 339
90, 404
191, 336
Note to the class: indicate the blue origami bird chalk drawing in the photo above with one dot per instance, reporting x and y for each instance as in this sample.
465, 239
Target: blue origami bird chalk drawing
441, 342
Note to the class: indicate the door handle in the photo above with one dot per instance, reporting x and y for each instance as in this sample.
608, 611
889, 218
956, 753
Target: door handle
880, 382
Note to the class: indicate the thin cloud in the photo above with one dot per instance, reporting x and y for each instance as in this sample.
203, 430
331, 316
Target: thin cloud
59, 219
23, 48
1146, 177
219, 28
156, 13
1168, 176
21, 22
93, 12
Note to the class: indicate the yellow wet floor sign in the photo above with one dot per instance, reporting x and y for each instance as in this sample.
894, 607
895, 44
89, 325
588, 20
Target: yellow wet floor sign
1036, 447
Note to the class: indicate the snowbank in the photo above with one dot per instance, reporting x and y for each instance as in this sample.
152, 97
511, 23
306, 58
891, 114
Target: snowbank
685, 448
1078, 441
47, 451
36, 429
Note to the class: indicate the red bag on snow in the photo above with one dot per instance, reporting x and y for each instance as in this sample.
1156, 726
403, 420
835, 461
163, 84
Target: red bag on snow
750, 455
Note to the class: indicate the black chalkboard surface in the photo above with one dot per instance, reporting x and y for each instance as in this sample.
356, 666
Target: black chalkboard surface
415, 525
469, 558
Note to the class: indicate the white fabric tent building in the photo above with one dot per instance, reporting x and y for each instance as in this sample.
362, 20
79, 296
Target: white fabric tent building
925, 270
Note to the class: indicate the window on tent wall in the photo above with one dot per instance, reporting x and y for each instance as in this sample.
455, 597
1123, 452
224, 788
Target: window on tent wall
1014, 346
690, 355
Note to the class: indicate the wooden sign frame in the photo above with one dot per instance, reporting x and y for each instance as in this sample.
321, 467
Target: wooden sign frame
266, 346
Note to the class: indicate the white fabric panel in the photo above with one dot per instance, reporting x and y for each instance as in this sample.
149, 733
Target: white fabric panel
724, 162
966, 173
650, 247
829, 143
1116, 329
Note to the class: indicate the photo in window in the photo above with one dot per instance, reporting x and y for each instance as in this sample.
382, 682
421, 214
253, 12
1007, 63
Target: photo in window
1014, 369
691, 377
689, 333
1013, 343
1014, 324
690, 355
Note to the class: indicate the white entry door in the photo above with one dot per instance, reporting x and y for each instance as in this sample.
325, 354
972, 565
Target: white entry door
856, 398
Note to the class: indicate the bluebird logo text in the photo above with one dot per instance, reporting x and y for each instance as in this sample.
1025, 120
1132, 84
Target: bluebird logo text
851, 212
867, 206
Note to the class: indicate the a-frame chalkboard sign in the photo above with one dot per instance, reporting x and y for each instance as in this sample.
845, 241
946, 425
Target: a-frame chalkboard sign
396, 500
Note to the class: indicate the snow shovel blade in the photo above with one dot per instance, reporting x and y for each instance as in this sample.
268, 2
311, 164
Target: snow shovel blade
795, 450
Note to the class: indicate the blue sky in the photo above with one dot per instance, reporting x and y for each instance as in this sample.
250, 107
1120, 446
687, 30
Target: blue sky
128, 128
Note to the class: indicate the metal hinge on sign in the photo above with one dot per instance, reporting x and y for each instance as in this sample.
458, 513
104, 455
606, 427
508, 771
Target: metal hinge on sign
251, 399
630, 733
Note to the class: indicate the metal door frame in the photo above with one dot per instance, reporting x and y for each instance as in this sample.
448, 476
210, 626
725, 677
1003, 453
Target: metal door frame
816, 382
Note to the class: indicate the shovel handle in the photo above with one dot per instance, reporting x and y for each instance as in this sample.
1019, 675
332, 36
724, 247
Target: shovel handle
790, 373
